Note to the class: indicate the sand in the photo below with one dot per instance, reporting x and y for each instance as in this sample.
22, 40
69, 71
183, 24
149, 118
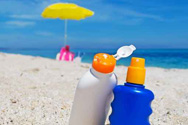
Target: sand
40, 91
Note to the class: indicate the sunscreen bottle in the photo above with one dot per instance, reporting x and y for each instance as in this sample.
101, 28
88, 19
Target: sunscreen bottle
132, 102
94, 92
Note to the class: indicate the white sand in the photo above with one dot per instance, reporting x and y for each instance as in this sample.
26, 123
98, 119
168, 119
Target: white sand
39, 91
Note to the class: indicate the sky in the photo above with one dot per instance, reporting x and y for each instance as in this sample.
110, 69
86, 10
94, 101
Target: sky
143, 23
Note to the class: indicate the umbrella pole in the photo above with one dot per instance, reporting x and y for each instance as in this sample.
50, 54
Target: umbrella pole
65, 42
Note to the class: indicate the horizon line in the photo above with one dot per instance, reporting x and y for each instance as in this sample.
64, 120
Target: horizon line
4, 48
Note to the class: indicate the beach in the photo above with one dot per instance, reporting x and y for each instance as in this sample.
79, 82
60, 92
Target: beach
40, 91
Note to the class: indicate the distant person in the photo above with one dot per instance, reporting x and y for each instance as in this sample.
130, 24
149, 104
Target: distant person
65, 54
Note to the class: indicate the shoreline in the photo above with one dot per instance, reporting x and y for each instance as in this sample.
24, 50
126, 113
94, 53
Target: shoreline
91, 63
36, 90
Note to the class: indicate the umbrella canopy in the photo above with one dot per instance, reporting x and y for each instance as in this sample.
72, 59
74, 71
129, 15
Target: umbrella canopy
66, 11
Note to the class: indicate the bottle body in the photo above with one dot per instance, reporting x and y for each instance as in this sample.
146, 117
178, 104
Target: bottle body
92, 98
131, 105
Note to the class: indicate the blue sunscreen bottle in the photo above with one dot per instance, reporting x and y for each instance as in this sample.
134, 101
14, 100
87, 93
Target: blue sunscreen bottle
132, 102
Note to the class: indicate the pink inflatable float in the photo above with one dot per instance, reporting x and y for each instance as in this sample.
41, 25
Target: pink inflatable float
65, 54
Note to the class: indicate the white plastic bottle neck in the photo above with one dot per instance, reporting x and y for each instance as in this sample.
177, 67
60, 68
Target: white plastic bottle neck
100, 75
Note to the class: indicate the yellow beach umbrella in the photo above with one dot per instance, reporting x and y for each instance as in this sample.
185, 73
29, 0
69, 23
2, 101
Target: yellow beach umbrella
66, 11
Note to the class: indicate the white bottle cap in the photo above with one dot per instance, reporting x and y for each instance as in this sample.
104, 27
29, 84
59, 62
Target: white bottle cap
124, 51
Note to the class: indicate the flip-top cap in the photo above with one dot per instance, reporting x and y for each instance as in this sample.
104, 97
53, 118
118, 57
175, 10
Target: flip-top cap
136, 71
104, 63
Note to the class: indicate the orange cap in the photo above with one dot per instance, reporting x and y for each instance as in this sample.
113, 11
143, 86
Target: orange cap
136, 71
104, 63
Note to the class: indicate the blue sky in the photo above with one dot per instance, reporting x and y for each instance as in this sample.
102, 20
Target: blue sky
144, 23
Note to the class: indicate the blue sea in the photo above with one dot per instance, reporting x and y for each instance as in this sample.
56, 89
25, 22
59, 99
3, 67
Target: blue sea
164, 58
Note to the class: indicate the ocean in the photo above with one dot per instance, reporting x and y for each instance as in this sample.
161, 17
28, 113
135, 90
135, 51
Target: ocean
164, 58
